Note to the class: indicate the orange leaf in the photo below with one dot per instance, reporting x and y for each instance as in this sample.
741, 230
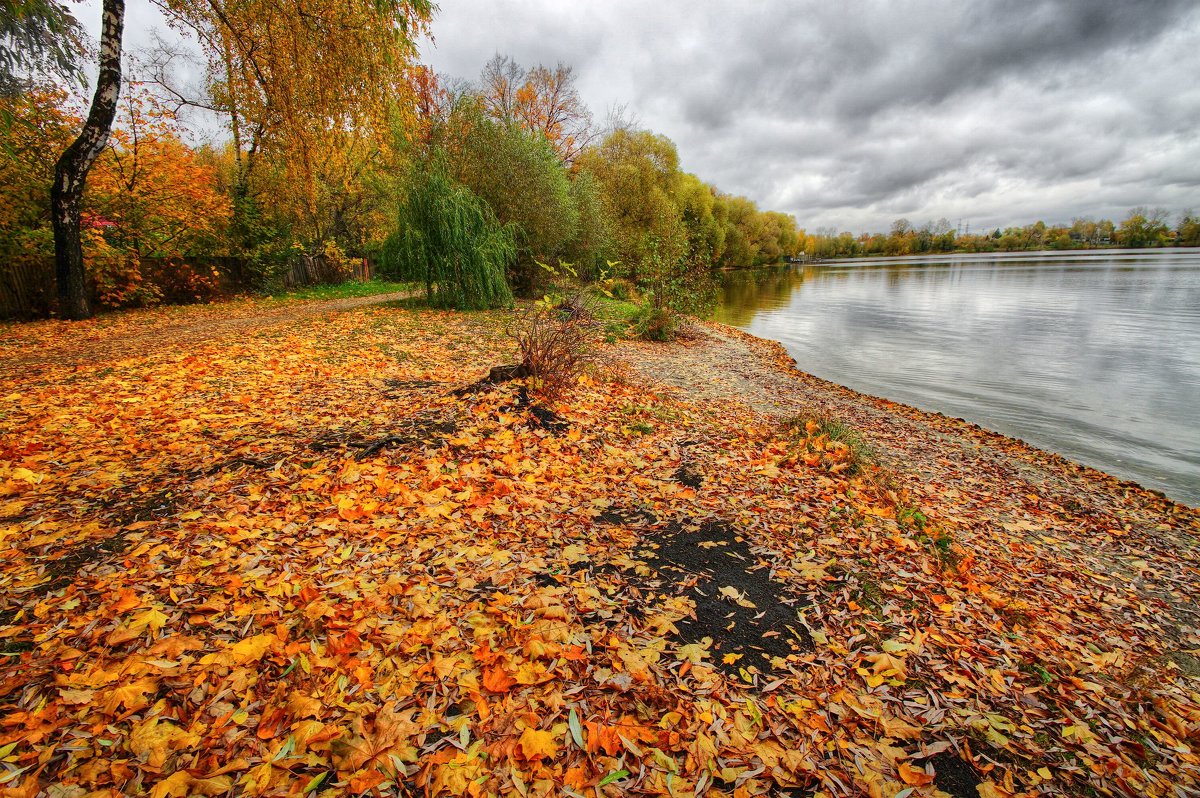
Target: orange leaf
272, 720
910, 775
130, 696
365, 782
602, 738
497, 680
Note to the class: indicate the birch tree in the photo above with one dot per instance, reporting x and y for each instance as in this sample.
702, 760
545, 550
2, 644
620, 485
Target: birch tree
70, 173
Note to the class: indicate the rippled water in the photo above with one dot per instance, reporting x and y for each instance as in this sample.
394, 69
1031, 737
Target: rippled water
1093, 355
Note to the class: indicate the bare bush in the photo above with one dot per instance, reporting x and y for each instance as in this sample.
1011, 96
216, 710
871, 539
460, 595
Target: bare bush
557, 344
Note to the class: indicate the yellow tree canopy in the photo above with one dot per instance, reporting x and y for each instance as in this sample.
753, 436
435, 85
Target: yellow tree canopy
295, 74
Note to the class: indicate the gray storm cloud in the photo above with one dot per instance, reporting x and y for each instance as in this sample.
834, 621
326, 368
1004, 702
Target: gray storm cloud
849, 115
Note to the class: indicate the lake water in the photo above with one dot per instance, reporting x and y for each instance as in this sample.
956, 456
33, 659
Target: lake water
1094, 355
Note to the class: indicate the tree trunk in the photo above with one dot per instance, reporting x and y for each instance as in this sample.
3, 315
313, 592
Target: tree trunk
72, 168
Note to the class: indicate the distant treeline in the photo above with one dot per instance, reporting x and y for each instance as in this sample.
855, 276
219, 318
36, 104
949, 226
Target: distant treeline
1143, 227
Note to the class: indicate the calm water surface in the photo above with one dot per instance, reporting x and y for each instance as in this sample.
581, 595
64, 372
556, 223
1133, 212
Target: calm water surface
1093, 355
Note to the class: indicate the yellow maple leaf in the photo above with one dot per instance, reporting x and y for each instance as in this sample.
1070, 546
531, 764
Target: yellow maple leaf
300, 705
25, 475
130, 696
695, 652
177, 785
885, 664
243, 652
530, 673
153, 619
537, 744
153, 740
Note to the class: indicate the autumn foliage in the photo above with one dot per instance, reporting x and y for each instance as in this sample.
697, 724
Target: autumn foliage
332, 127
149, 195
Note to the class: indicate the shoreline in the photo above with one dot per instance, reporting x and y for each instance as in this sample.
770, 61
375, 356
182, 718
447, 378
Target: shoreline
1119, 253
782, 358
950, 464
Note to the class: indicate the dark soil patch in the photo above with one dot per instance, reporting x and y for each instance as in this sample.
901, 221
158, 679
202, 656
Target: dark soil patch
428, 431
748, 615
13, 645
62, 570
954, 776
547, 419
16, 645
620, 516
542, 416
689, 476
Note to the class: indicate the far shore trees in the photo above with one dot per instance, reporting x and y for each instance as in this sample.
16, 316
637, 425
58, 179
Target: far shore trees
1143, 227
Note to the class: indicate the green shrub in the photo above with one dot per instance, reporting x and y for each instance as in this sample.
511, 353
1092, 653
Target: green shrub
620, 289
911, 517
656, 323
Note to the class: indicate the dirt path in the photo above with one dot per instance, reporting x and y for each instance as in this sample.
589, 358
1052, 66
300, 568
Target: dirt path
132, 333
979, 484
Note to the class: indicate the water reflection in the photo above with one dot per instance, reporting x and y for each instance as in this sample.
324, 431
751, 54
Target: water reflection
746, 292
1095, 355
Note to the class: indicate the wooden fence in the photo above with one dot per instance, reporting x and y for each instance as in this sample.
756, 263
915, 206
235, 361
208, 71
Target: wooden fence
27, 284
26, 288
319, 270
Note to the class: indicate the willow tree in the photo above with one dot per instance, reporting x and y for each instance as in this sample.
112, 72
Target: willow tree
303, 82
449, 239
38, 36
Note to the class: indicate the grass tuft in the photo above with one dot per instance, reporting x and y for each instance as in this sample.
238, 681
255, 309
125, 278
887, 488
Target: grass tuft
853, 453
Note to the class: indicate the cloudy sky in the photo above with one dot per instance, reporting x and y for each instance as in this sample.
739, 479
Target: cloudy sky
850, 115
